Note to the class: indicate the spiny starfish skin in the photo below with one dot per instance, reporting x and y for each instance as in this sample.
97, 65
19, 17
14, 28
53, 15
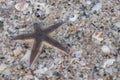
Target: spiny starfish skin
39, 36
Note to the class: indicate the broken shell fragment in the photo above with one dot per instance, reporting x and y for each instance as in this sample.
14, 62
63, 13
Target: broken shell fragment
22, 6
98, 36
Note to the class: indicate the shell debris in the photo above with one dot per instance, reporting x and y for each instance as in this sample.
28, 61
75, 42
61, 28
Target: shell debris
98, 36
108, 63
21, 5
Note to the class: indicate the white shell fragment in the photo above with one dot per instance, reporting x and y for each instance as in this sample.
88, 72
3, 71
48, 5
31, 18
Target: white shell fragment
117, 24
17, 51
41, 70
88, 2
105, 49
27, 77
26, 56
36, 78
73, 17
77, 54
98, 36
2, 67
97, 7
108, 63
21, 6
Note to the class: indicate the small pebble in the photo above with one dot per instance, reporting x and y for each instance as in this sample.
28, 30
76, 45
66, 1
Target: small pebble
109, 71
41, 70
77, 54
108, 63
26, 57
57, 74
105, 49
2, 67
97, 7
36, 78
88, 2
101, 72
117, 24
73, 17
1, 18
2, 57
29, 76
17, 51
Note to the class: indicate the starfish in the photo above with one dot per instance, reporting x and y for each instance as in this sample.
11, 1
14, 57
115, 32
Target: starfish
39, 36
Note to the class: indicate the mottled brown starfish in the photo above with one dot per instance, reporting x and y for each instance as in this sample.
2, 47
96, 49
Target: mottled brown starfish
39, 36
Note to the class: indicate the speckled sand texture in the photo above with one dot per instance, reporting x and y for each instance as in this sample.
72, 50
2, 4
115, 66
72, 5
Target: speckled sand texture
92, 33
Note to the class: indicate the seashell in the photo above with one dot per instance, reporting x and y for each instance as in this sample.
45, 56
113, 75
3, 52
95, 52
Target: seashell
73, 17
2, 67
1, 18
41, 70
117, 24
36, 78
17, 51
97, 7
26, 56
98, 36
105, 49
108, 63
109, 70
21, 6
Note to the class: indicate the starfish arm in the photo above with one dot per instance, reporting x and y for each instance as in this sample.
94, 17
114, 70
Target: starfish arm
23, 36
34, 52
37, 27
53, 27
56, 44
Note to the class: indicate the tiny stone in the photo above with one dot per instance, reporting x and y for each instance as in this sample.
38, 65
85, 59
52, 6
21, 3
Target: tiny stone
2, 67
97, 7
101, 72
77, 54
2, 57
117, 24
109, 70
105, 49
16, 52
57, 74
36, 78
